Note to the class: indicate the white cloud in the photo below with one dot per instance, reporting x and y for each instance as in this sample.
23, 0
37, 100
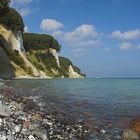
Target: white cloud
128, 35
80, 33
107, 49
26, 30
78, 52
20, 2
138, 46
84, 35
24, 11
125, 46
50, 25
23, 7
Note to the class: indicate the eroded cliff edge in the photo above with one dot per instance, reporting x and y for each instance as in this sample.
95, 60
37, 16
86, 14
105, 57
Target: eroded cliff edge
19, 60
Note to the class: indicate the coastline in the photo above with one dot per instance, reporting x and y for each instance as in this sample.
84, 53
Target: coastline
27, 77
26, 117
29, 117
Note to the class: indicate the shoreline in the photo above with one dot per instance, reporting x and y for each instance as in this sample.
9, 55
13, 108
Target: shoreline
29, 117
36, 78
26, 117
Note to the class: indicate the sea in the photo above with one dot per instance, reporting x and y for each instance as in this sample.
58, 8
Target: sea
112, 100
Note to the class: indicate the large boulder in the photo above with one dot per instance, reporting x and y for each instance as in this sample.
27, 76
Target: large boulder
130, 135
4, 111
135, 124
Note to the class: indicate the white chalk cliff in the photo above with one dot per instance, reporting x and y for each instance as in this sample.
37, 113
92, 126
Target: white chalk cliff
73, 74
14, 40
55, 54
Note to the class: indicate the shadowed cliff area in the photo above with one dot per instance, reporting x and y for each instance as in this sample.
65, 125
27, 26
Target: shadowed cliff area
6, 68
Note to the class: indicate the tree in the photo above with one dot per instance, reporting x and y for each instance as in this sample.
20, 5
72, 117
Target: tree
39, 42
4, 6
12, 20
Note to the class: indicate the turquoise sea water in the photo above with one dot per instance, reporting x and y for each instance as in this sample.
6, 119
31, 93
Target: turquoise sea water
103, 99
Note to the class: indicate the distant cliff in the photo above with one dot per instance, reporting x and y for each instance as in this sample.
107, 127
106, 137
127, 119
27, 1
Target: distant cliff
26, 55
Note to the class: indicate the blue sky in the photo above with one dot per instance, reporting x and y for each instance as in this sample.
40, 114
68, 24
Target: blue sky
102, 37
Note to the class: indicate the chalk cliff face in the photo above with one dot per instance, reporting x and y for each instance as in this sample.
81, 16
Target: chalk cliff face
33, 64
13, 39
73, 74
55, 54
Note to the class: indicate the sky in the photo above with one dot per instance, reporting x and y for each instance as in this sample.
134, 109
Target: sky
102, 37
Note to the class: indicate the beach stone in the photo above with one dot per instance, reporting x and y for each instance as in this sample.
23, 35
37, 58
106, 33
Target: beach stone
14, 105
17, 128
135, 125
30, 105
9, 137
130, 135
4, 111
26, 124
1, 84
31, 137
2, 137
42, 134
33, 127
90, 123
37, 117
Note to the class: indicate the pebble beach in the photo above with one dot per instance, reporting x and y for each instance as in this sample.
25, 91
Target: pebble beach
27, 117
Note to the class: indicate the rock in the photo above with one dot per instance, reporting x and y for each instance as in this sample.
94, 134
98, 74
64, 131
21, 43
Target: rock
90, 123
42, 134
34, 127
103, 131
2, 137
14, 105
30, 105
31, 137
17, 128
1, 84
37, 117
135, 125
4, 111
25, 131
26, 124
130, 135
46, 121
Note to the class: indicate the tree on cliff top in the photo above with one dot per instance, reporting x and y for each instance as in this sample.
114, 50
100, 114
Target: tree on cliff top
4, 5
12, 20
9, 17
39, 42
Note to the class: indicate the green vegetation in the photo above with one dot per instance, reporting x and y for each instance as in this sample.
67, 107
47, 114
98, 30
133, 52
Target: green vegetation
39, 42
9, 17
4, 6
65, 63
45, 61
16, 58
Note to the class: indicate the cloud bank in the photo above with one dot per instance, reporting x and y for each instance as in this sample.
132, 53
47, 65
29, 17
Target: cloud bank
50, 25
22, 6
128, 35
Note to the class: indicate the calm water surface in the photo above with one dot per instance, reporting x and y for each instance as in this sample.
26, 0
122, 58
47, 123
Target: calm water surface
112, 99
